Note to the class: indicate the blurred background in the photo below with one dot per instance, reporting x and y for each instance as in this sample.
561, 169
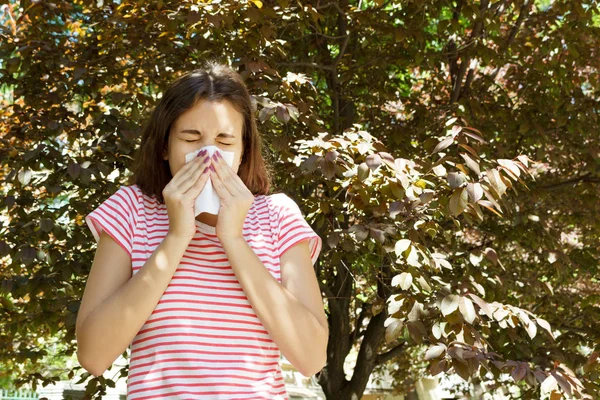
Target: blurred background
447, 152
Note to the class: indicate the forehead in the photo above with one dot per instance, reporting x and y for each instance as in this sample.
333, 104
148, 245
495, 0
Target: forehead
210, 117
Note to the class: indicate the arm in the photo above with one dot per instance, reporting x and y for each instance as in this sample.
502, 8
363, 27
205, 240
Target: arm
107, 324
299, 328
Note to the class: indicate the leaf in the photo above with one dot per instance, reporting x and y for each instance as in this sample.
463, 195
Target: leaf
489, 206
496, 181
434, 352
518, 372
436, 329
469, 149
461, 369
24, 176
374, 161
74, 170
458, 201
363, 171
510, 166
456, 179
393, 329
443, 144
404, 280
282, 113
545, 325
467, 309
529, 326
450, 304
475, 191
257, 3
437, 367
472, 164
562, 382
266, 113
401, 246
483, 305
555, 395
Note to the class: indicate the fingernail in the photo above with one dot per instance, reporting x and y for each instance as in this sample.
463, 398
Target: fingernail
205, 160
215, 156
212, 168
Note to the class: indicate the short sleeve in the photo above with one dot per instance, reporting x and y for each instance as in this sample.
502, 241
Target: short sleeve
116, 216
293, 228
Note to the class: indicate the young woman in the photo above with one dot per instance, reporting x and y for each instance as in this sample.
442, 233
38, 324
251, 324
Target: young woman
206, 303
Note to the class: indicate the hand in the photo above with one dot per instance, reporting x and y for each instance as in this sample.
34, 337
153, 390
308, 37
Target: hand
180, 196
236, 199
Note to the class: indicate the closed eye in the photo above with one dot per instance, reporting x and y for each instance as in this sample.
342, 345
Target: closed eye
225, 144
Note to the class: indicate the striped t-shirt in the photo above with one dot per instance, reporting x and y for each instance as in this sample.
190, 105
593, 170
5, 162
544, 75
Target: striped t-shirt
203, 339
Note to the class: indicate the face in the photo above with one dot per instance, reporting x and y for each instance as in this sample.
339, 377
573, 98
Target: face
207, 123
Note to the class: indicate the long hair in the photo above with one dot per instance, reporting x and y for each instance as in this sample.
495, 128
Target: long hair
213, 82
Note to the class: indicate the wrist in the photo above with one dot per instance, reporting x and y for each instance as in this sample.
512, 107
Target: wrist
181, 239
232, 242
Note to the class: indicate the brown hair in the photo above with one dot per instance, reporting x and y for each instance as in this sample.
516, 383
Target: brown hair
213, 82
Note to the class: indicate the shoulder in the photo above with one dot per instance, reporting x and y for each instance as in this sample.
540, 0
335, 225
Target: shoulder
281, 201
129, 198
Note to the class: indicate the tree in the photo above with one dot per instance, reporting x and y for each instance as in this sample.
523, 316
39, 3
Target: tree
446, 151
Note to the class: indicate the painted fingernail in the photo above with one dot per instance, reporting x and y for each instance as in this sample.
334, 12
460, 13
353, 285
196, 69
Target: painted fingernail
200, 153
212, 168
215, 156
205, 160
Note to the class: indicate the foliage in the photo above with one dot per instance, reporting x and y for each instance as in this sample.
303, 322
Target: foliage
448, 152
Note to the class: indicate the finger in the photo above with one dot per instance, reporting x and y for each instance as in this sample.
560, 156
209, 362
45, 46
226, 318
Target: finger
198, 185
222, 191
192, 175
184, 173
227, 176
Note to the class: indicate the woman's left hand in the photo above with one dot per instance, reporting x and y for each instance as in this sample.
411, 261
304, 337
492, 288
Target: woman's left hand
236, 199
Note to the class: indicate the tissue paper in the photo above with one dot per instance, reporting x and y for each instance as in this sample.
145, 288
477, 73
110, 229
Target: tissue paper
208, 201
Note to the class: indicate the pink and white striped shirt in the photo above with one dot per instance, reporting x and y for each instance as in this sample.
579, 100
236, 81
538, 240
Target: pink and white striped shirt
203, 339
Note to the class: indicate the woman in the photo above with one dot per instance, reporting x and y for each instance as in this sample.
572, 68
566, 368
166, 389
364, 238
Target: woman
206, 303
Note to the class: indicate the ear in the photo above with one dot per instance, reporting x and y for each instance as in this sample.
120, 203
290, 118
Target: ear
165, 154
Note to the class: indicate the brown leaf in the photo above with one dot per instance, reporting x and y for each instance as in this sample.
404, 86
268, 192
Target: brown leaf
443, 144
472, 164
373, 161
458, 201
437, 367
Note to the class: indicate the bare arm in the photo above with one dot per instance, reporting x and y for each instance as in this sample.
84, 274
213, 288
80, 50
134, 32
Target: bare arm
296, 322
115, 304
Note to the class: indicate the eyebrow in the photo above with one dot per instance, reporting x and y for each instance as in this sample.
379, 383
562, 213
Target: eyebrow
197, 132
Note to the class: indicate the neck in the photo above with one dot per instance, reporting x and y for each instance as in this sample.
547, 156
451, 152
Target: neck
209, 219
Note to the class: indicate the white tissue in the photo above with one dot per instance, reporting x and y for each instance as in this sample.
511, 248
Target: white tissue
209, 201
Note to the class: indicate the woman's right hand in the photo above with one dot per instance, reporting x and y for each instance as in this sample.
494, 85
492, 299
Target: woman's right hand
180, 196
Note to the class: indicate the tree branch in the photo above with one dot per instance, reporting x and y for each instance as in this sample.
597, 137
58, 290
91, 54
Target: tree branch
359, 320
391, 354
587, 177
464, 63
524, 10
307, 64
